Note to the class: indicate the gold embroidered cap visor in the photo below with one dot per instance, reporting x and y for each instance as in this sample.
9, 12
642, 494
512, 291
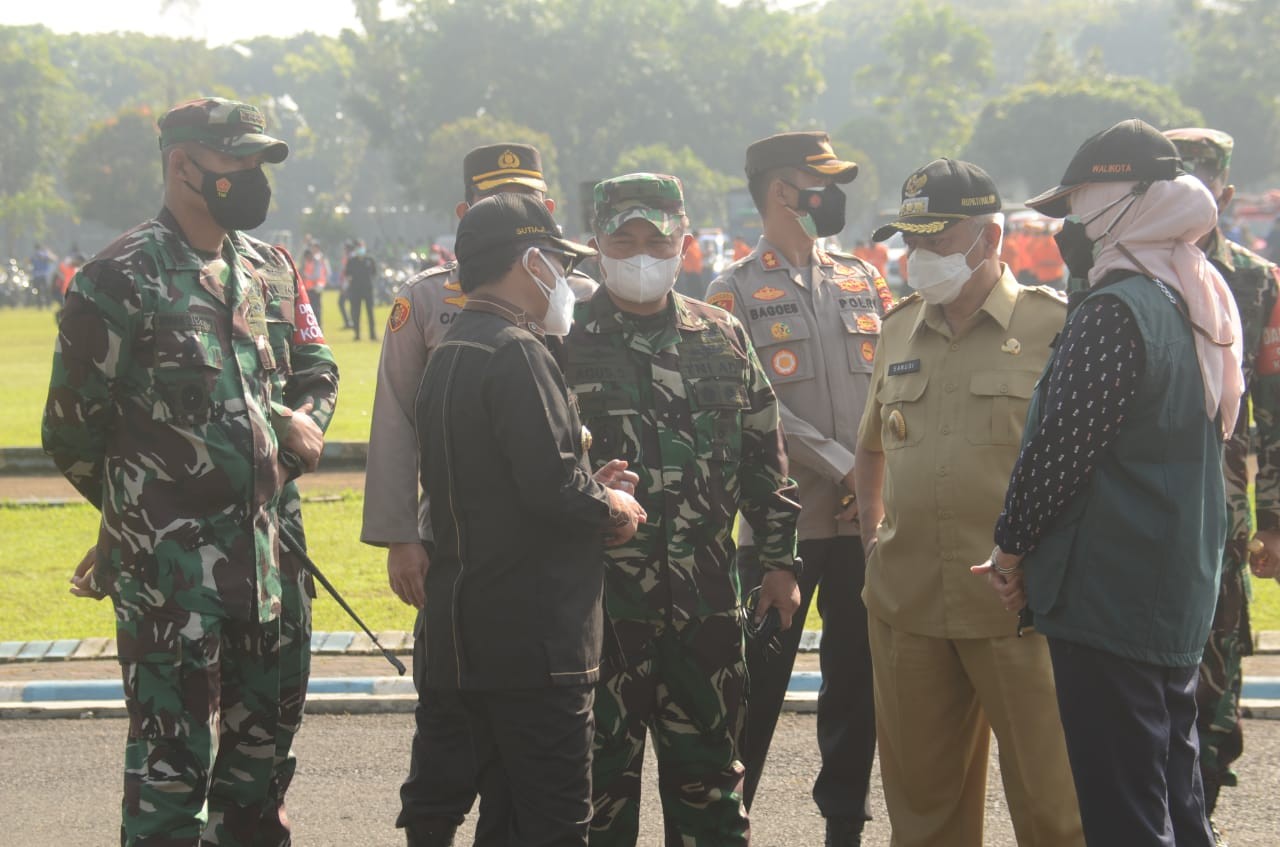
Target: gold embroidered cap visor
942, 193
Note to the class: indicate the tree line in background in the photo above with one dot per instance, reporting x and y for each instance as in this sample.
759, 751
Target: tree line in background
379, 120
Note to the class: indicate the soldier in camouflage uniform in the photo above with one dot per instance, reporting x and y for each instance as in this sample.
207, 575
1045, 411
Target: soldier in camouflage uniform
190, 384
673, 386
1253, 281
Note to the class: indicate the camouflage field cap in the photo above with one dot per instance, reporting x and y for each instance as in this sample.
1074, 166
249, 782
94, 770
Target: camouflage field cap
943, 192
656, 198
492, 165
227, 126
810, 151
1205, 152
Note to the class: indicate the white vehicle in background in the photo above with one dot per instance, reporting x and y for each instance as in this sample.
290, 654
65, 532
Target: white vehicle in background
717, 252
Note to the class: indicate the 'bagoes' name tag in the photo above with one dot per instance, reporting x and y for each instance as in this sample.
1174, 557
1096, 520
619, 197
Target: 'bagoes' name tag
900, 368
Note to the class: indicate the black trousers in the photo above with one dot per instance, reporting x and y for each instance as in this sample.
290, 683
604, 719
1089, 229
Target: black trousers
441, 785
1132, 741
846, 702
533, 763
362, 296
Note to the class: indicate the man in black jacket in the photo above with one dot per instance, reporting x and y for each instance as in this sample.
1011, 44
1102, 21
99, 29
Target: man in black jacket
513, 619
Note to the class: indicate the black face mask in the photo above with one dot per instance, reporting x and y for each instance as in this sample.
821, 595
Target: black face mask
825, 206
1076, 249
237, 200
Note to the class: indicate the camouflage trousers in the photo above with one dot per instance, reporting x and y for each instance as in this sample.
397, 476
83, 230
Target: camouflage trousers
685, 687
213, 704
1221, 676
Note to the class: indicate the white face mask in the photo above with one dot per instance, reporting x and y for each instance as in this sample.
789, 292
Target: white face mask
560, 299
939, 279
641, 278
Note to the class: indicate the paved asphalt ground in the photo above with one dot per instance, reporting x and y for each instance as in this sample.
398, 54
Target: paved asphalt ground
60, 786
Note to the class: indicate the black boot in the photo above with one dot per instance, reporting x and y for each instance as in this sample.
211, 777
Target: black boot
430, 832
844, 832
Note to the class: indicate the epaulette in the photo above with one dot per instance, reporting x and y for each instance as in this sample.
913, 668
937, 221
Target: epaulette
1049, 291
446, 268
913, 297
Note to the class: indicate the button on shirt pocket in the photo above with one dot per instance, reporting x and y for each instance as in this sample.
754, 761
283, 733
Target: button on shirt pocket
999, 405
902, 415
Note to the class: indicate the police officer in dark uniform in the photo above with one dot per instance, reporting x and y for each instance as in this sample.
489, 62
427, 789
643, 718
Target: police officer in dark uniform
514, 619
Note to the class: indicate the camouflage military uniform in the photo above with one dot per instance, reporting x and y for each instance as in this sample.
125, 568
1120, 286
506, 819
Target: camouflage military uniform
172, 383
1253, 281
681, 396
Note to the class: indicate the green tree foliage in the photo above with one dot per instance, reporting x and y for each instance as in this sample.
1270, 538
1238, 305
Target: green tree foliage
36, 102
1030, 134
1234, 79
936, 67
113, 171
704, 188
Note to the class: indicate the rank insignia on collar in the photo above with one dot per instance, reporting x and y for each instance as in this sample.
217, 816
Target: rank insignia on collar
459, 301
453, 286
769, 259
768, 293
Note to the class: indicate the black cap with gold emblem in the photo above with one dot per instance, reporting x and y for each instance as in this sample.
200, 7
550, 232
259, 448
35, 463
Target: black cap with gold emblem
809, 151
940, 194
493, 165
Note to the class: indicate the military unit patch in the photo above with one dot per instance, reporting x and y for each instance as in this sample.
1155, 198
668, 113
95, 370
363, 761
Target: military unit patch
768, 293
399, 314
780, 331
868, 323
852, 285
722, 299
868, 351
784, 362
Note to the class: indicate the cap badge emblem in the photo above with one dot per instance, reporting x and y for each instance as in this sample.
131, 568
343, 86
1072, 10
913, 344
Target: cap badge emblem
508, 160
915, 184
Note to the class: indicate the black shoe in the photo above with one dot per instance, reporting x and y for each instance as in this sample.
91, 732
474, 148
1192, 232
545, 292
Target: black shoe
844, 832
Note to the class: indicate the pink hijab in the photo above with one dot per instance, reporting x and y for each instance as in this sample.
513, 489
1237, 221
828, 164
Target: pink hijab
1160, 231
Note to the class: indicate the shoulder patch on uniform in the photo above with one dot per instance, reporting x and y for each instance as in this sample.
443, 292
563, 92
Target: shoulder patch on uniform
913, 297
722, 299
399, 314
1049, 291
886, 296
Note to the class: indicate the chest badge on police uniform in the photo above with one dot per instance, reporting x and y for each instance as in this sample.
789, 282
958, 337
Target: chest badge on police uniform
898, 425
1013, 347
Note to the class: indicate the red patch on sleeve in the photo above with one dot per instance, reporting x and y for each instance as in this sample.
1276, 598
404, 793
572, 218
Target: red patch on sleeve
306, 329
1269, 350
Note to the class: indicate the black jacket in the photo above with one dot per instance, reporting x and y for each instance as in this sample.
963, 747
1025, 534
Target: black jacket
514, 589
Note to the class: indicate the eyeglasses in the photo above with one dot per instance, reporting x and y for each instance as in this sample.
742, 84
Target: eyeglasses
565, 260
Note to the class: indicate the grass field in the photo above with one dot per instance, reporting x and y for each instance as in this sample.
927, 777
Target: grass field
28, 336
39, 546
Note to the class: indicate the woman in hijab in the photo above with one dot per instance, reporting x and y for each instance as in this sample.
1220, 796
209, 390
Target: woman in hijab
1113, 525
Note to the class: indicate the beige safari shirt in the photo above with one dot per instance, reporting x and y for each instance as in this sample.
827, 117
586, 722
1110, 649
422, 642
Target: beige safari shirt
948, 411
816, 331
424, 308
